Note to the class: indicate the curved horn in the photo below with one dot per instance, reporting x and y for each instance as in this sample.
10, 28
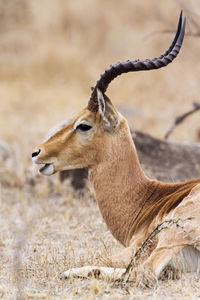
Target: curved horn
138, 65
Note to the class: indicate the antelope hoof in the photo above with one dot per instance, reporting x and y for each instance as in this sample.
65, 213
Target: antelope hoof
95, 273
64, 275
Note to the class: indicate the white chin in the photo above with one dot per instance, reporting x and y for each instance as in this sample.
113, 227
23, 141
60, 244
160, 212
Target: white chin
47, 169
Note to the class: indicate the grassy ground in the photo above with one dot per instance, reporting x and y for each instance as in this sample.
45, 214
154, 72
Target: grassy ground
51, 52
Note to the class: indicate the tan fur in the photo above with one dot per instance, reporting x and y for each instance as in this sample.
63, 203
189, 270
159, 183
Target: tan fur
131, 204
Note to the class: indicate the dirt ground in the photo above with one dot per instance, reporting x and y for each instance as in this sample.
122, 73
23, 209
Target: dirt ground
51, 53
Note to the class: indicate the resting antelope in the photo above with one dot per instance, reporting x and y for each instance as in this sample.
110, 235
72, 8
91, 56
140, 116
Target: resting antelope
131, 204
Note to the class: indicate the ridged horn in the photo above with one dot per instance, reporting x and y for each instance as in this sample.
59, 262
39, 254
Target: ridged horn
138, 65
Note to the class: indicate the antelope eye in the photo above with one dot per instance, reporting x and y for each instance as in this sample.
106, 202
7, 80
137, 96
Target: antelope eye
83, 127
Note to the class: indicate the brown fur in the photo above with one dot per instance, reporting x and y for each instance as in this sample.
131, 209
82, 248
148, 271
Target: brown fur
166, 198
130, 203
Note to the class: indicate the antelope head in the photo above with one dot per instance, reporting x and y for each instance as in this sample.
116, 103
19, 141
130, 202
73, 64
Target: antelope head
97, 127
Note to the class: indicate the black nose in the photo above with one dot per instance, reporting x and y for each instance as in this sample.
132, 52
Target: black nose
36, 153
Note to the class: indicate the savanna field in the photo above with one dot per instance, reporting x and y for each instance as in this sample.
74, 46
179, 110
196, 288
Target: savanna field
51, 53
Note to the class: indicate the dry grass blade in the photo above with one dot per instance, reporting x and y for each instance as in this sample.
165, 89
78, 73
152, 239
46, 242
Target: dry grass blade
149, 241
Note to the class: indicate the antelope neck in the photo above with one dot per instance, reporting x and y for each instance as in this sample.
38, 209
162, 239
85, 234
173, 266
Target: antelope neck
121, 187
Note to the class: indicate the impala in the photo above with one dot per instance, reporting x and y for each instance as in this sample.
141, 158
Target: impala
131, 204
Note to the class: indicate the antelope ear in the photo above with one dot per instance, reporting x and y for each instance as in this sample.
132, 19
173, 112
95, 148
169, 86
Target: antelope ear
109, 115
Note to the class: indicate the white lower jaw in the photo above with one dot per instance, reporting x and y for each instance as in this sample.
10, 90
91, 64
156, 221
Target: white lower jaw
47, 169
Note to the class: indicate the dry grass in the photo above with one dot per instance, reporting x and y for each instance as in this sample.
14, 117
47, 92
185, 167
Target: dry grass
51, 52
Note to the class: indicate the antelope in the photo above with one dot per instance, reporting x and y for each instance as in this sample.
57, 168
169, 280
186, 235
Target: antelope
131, 204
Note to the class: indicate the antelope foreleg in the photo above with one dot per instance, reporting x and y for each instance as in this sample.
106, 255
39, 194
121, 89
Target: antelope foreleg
106, 273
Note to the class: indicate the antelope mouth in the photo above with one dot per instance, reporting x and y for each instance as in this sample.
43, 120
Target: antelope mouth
47, 169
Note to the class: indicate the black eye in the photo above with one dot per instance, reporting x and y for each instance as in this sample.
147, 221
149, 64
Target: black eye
84, 127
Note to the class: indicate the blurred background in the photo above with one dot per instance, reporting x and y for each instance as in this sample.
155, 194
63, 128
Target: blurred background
52, 52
